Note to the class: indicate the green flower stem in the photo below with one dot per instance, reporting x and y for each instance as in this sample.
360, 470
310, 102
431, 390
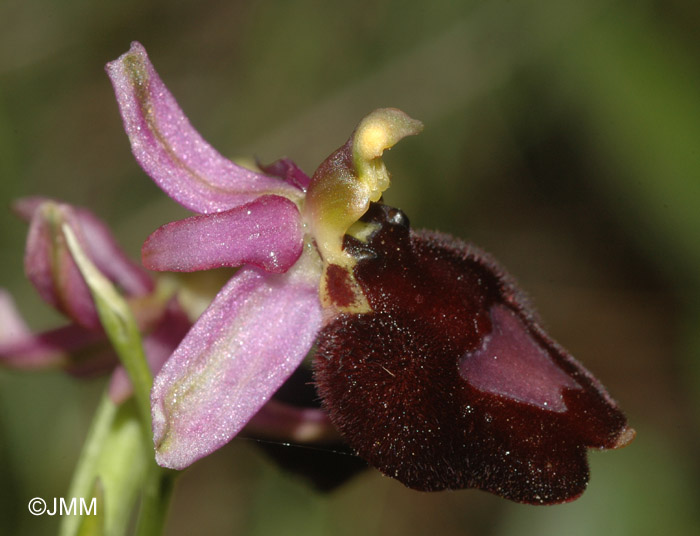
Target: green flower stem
85, 473
120, 325
123, 332
157, 491
111, 469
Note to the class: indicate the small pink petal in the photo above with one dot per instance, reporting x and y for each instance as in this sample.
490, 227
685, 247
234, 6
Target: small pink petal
173, 153
250, 339
286, 169
266, 233
158, 347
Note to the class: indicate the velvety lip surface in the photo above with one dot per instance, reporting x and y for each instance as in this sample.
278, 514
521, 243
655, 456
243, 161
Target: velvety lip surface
414, 388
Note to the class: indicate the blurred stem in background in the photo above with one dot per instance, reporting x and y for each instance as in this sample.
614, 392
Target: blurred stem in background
117, 463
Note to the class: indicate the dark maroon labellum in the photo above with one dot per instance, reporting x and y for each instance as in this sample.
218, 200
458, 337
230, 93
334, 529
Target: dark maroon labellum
449, 382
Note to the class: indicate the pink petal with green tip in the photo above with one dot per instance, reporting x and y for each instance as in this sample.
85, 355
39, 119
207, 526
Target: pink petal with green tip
267, 233
50, 267
100, 245
245, 345
172, 152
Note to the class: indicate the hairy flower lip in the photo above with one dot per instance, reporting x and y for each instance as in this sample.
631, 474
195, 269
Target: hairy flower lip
496, 368
394, 386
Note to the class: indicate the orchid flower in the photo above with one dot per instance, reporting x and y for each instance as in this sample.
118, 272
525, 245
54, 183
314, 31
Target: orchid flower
427, 359
81, 346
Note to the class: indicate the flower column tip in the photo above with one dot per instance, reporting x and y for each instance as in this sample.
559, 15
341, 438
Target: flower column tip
344, 184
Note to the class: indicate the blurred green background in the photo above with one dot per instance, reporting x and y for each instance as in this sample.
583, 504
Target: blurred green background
562, 136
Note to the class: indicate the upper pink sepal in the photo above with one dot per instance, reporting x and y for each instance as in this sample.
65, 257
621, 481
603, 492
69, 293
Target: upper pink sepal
172, 152
267, 233
245, 345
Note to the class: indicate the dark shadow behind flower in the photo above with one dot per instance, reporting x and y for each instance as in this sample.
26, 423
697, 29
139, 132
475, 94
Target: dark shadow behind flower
429, 361
318, 454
